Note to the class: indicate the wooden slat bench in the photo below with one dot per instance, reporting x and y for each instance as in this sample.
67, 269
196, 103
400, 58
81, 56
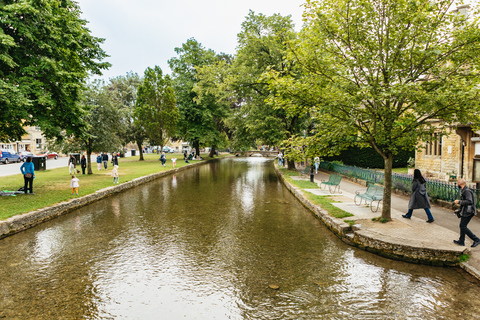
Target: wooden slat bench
373, 193
333, 182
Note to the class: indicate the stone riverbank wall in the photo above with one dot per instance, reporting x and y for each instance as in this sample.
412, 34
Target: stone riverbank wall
388, 247
28, 220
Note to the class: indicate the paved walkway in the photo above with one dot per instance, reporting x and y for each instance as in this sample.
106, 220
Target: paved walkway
439, 234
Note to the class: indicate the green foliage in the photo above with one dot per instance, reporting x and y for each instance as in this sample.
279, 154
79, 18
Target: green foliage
305, 184
370, 74
463, 258
200, 115
155, 109
350, 222
368, 158
46, 53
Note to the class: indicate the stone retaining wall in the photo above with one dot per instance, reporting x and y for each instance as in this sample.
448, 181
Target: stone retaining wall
28, 220
366, 241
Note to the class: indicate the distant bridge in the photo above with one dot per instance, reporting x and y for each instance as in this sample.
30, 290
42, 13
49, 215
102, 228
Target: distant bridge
255, 152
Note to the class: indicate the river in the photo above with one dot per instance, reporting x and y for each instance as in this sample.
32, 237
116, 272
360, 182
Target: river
210, 243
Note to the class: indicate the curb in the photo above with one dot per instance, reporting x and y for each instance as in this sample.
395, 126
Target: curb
31, 219
367, 241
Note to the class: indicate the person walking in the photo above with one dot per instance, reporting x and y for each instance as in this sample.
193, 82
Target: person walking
99, 162
28, 171
83, 163
72, 163
115, 174
105, 160
280, 158
74, 184
466, 212
115, 159
419, 198
316, 160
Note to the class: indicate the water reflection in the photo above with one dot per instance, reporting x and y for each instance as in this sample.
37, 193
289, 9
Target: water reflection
206, 244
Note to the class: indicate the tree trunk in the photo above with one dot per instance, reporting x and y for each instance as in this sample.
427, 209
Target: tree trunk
212, 151
89, 161
140, 150
291, 164
387, 191
196, 146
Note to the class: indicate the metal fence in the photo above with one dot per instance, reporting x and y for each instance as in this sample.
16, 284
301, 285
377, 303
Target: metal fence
436, 189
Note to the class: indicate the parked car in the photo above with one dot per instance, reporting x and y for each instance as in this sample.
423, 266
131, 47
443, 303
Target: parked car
24, 155
49, 155
7, 155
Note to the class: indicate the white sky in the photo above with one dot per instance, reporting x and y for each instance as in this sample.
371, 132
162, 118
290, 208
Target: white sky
143, 33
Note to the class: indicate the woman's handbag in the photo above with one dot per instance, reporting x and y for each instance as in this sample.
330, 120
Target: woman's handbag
28, 175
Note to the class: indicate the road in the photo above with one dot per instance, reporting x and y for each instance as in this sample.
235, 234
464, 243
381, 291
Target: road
14, 168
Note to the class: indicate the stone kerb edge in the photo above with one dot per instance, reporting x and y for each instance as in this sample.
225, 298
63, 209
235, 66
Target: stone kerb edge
28, 220
362, 240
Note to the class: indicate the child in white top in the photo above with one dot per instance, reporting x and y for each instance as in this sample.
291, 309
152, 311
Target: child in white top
174, 161
74, 184
115, 173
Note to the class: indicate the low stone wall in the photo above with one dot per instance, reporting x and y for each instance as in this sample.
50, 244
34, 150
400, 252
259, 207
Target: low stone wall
28, 220
369, 242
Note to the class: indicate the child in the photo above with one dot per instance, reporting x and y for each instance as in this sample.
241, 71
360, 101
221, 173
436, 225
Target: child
74, 184
174, 161
115, 173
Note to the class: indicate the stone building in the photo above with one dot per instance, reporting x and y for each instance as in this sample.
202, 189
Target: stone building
32, 141
451, 156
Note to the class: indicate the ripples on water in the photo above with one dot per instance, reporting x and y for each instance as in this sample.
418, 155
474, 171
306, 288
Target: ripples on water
206, 244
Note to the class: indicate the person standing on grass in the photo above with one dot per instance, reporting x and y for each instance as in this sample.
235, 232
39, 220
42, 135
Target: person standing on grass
72, 163
163, 159
115, 174
99, 162
28, 171
465, 213
83, 163
419, 198
105, 160
74, 184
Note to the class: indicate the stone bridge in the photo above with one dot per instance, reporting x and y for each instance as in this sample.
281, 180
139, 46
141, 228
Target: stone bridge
256, 152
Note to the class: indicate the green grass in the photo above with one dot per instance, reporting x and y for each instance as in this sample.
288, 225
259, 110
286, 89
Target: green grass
400, 170
350, 222
326, 203
305, 184
380, 219
53, 186
464, 258
288, 173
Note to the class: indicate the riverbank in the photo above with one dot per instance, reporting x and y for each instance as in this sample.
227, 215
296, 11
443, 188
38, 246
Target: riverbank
402, 239
53, 195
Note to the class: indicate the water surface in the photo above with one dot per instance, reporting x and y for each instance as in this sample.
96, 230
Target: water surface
207, 243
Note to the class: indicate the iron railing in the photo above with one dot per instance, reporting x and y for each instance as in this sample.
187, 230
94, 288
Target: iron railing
436, 189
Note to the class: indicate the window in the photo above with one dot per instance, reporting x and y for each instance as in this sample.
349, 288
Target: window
433, 147
39, 143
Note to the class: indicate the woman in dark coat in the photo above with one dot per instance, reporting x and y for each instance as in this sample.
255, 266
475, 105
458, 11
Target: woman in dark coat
83, 163
419, 198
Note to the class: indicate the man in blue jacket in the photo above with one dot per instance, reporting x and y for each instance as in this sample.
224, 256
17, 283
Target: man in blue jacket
28, 172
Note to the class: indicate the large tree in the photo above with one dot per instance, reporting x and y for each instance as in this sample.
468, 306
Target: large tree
379, 72
156, 111
46, 53
198, 120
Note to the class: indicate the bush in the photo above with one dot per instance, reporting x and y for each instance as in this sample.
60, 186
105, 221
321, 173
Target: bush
369, 158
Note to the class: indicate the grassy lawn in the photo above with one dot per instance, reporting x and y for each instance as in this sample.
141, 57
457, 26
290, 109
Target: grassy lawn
326, 203
53, 186
400, 170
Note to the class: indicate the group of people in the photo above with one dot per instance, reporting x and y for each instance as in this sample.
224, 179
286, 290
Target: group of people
103, 159
419, 200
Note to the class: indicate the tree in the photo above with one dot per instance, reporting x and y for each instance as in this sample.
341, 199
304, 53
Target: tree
378, 72
156, 111
46, 53
101, 118
198, 118
262, 45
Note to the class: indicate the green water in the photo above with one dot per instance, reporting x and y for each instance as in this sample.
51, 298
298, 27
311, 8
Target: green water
207, 243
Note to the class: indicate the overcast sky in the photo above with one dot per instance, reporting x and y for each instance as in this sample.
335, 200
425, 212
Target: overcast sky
143, 33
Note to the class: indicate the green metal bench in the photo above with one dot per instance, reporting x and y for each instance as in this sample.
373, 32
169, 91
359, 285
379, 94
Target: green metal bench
373, 193
333, 183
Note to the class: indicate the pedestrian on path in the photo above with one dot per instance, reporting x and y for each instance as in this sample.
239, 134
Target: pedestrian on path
465, 213
419, 198
74, 184
83, 163
115, 174
317, 164
28, 171
72, 163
